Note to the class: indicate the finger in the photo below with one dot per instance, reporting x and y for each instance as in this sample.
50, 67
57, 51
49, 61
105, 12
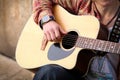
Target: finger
47, 34
44, 43
57, 34
52, 35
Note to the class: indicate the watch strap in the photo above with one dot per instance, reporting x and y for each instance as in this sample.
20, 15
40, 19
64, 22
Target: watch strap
50, 18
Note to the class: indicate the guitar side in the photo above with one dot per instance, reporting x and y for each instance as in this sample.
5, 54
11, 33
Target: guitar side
28, 53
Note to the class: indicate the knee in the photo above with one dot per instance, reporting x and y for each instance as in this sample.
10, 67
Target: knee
50, 69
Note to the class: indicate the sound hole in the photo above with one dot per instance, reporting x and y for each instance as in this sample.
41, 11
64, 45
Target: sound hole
69, 40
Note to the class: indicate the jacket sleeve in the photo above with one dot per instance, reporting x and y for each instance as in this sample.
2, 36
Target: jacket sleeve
44, 7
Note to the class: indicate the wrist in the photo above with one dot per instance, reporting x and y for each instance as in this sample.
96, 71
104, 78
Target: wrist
46, 19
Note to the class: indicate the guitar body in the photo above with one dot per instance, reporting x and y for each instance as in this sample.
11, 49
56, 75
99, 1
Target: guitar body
29, 55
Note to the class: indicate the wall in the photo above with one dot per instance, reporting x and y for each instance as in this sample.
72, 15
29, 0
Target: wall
13, 16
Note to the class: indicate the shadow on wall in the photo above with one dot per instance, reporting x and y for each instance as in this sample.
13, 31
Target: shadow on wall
13, 16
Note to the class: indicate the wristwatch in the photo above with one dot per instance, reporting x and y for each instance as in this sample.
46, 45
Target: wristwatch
46, 19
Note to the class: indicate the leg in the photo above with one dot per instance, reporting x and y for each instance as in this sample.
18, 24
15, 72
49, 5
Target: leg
54, 72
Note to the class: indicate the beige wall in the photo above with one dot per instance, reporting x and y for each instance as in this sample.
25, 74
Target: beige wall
13, 16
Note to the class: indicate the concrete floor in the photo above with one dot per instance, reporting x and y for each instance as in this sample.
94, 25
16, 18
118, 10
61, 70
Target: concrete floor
10, 70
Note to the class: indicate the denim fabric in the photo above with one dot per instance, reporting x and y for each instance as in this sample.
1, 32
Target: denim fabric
55, 72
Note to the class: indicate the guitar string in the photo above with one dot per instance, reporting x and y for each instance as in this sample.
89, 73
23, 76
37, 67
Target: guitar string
75, 37
71, 40
82, 41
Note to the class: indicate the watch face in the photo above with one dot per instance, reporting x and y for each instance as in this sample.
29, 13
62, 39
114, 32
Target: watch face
45, 18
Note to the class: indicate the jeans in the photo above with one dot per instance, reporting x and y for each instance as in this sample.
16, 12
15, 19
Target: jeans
55, 72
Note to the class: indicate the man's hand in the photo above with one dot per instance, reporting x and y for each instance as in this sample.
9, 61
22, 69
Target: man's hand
52, 32
44, 43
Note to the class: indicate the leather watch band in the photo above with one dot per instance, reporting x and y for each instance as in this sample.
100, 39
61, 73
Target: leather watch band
46, 19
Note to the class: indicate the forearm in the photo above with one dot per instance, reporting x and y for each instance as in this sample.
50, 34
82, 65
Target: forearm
41, 8
44, 7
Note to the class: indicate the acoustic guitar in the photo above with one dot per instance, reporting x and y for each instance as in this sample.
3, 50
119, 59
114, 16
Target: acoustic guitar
81, 34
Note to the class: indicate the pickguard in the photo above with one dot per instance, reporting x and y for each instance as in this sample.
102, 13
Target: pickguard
55, 52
